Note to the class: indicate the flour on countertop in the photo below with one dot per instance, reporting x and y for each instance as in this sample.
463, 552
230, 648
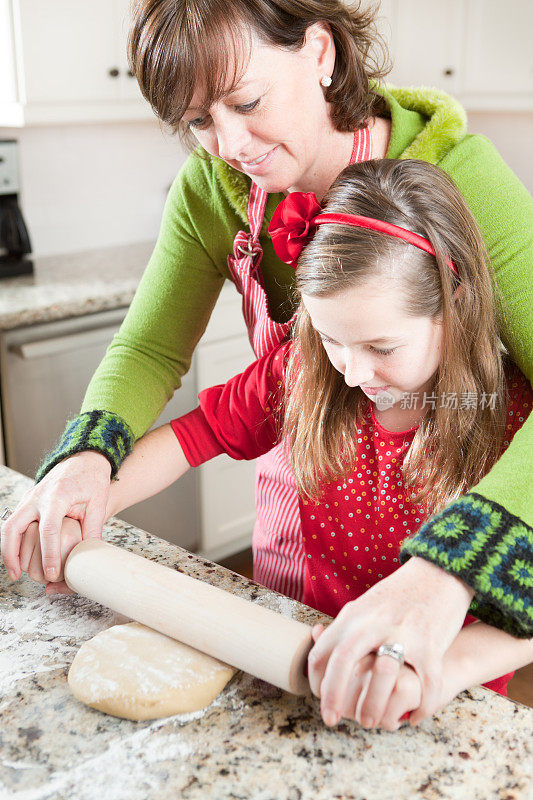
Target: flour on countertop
135, 754
43, 635
64, 617
283, 605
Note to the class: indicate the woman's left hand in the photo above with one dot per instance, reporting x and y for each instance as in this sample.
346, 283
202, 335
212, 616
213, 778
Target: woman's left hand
404, 692
405, 695
419, 606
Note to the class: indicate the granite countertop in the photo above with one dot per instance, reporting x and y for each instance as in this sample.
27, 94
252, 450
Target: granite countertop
253, 741
73, 284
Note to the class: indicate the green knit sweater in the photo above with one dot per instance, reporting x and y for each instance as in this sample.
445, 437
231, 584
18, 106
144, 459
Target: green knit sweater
486, 537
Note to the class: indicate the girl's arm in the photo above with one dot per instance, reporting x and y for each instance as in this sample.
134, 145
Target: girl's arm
156, 461
235, 418
481, 653
478, 654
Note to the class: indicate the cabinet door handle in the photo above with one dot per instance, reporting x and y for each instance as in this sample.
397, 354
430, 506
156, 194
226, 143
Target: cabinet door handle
63, 344
113, 72
449, 71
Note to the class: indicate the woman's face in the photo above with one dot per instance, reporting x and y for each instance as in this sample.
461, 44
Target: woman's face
275, 125
370, 339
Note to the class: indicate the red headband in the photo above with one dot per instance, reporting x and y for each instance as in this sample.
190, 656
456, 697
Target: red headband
294, 218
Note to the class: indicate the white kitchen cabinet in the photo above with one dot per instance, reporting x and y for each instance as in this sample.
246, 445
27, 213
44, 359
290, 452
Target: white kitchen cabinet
227, 486
73, 68
427, 43
498, 64
227, 493
64, 61
127, 85
476, 50
71, 62
9, 91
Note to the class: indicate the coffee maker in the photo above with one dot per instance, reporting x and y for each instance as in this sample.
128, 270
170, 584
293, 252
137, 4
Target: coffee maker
14, 238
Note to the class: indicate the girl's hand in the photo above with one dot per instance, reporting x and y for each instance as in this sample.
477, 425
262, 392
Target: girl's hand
78, 488
31, 559
405, 696
421, 607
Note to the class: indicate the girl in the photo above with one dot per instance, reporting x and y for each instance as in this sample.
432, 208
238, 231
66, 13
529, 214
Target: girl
392, 397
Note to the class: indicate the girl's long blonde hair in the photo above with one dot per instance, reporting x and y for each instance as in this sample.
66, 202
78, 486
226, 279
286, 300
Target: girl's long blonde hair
454, 446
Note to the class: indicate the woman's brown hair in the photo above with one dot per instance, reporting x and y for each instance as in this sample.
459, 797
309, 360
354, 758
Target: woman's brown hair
173, 44
454, 446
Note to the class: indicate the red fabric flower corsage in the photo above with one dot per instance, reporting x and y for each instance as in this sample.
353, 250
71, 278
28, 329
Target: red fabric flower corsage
291, 225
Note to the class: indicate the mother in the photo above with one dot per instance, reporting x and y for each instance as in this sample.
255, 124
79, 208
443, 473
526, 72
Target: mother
281, 96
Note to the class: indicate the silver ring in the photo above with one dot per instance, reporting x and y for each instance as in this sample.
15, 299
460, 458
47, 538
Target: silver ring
394, 650
6, 513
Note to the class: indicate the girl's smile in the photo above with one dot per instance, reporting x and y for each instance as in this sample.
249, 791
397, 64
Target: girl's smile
372, 391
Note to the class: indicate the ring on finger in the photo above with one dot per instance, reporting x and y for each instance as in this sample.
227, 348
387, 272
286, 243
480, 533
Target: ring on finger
394, 650
6, 513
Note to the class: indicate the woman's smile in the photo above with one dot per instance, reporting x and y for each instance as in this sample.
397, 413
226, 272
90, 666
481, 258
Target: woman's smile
258, 166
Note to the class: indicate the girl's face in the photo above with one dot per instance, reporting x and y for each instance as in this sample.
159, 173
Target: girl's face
274, 126
370, 339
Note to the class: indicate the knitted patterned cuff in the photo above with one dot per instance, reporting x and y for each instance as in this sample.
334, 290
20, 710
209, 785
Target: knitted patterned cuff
101, 431
480, 542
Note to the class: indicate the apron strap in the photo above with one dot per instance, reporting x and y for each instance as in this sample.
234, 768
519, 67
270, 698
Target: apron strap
248, 245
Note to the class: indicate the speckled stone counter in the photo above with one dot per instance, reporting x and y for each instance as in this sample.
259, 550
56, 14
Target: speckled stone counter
253, 741
73, 284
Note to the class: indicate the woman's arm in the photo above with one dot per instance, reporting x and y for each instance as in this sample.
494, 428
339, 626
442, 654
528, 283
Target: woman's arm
152, 350
478, 654
157, 460
140, 370
487, 535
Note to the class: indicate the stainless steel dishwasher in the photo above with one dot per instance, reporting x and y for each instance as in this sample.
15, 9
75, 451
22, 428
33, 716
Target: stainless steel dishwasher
44, 372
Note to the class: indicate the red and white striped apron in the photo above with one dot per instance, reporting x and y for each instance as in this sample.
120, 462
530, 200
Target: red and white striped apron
278, 553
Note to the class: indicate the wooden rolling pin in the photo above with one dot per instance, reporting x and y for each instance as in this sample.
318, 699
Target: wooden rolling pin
241, 633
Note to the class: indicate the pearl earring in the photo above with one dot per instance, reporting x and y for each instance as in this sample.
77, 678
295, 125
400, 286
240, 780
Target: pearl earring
325, 81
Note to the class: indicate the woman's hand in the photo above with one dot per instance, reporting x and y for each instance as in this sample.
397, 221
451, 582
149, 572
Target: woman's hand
421, 607
405, 696
78, 488
31, 560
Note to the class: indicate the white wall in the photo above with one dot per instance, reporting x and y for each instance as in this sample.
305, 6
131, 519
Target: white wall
88, 186
512, 133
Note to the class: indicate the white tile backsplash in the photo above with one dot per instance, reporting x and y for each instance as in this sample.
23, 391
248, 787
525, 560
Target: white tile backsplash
85, 186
